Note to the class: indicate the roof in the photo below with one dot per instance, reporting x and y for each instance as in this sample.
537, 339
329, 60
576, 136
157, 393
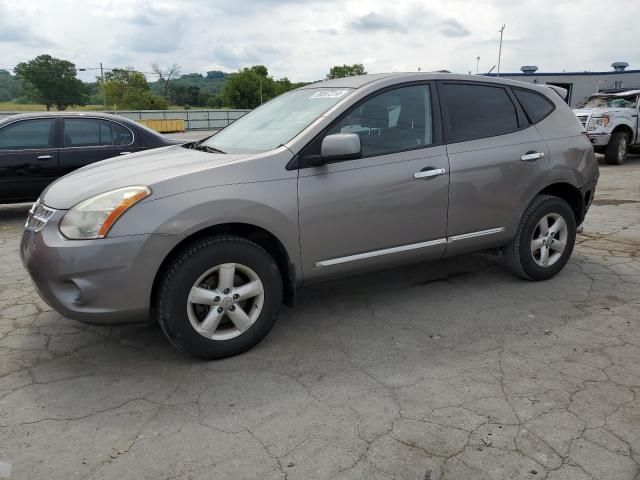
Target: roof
355, 81
87, 114
558, 74
64, 114
619, 91
359, 81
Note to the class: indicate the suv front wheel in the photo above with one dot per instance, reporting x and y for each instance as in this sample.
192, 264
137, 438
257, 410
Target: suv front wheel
544, 240
616, 151
219, 297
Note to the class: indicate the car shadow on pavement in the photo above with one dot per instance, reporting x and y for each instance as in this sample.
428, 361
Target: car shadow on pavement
14, 212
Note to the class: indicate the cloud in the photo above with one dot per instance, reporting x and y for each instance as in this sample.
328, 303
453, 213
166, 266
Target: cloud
143, 19
154, 31
373, 22
328, 31
14, 30
303, 39
453, 28
233, 56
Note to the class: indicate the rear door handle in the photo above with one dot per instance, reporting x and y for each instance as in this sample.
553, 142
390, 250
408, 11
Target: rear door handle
44, 157
125, 153
429, 173
531, 156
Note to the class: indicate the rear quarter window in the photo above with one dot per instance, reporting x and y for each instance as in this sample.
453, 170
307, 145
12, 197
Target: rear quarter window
535, 105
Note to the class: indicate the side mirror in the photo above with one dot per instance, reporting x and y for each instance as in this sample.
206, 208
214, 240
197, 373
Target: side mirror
341, 146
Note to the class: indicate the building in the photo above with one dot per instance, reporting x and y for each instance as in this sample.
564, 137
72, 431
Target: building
579, 84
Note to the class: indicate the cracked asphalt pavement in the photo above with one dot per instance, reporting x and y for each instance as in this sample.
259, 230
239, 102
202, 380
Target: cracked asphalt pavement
448, 370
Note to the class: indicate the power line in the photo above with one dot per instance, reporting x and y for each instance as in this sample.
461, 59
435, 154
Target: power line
86, 69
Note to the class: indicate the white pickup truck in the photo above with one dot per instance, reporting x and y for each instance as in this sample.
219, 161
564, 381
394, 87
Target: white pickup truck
610, 118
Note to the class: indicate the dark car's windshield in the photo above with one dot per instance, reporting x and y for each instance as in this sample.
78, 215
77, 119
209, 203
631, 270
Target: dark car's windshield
611, 101
277, 121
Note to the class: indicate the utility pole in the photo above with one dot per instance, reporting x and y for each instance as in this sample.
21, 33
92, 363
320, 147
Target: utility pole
477, 65
260, 80
500, 51
104, 90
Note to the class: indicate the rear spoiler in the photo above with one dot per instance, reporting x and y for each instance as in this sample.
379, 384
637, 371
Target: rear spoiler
563, 92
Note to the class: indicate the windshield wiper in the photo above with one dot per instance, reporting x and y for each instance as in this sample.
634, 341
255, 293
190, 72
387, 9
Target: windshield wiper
207, 148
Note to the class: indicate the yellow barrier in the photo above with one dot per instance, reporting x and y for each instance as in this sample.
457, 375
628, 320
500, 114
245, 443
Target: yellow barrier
164, 126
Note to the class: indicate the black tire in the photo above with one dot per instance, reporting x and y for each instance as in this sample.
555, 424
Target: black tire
183, 271
518, 255
617, 149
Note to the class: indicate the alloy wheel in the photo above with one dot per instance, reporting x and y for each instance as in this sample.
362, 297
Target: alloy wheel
549, 240
225, 301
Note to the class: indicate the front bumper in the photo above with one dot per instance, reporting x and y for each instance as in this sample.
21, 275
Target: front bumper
599, 139
105, 281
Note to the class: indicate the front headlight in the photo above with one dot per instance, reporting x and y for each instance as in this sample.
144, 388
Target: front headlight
596, 122
92, 218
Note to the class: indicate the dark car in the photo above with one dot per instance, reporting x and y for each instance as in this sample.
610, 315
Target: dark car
37, 148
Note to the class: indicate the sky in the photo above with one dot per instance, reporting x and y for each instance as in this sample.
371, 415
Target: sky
303, 39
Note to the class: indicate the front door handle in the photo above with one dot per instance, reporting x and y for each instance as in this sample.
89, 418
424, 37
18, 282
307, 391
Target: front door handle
125, 153
429, 173
531, 156
44, 157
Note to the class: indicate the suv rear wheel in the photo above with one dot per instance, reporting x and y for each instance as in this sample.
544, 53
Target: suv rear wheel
544, 240
616, 151
219, 297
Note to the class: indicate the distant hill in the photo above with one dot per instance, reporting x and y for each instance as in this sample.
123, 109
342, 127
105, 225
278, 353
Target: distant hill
193, 88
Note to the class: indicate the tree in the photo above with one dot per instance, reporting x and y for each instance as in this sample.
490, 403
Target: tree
339, 71
183, 95
10, 86
211, 74
127, 88
248, 88
165, 76
253, 86
214, 101
51, 81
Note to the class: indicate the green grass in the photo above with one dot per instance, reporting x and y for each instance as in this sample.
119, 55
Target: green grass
30, 107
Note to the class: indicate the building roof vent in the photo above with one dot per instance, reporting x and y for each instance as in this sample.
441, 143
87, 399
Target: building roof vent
619, 66
529, 69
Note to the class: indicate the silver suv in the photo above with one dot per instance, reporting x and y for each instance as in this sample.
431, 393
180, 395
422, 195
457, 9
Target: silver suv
333, 179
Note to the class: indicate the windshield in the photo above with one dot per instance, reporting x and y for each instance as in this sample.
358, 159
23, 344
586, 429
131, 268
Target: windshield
611, 101
277, 121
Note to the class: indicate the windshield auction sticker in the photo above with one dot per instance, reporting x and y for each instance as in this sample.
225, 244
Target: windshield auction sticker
329, 94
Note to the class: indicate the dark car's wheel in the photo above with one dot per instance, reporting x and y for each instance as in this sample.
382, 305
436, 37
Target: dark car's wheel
544, 240
616, 151
219, 297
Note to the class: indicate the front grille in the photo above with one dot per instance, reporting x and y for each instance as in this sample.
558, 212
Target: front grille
583, 120
38, 217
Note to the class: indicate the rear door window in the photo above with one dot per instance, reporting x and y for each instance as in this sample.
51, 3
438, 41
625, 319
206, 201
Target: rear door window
37, 133
477, 111
535, 106
91, 132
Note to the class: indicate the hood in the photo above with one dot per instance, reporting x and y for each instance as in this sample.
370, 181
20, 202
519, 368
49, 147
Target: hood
598, 112
167, 171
